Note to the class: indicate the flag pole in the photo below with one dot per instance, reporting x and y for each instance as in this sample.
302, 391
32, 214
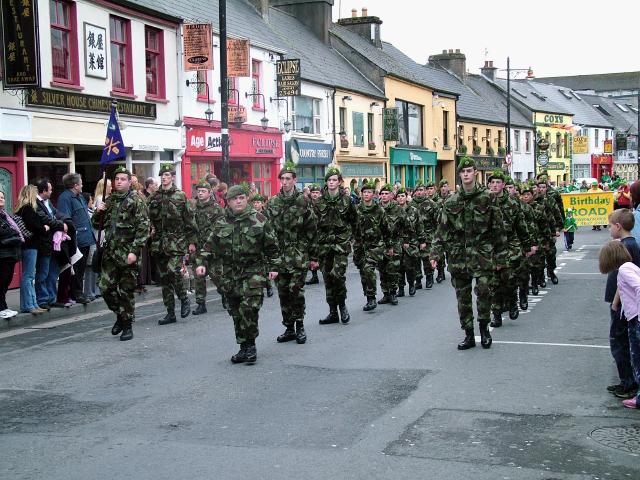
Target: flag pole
114, 104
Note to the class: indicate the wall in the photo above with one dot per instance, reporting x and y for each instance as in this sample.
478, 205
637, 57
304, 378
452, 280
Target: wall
543, 127
522, 160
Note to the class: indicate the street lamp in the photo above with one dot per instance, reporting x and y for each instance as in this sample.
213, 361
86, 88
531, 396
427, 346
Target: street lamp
208, 113
264, 121
287, 123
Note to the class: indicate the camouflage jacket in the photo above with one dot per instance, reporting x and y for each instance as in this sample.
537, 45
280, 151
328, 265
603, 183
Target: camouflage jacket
551, 213
372, 227
429, 216
413, 231
515, 226
336, 222
126, 225
536, 223
172, 221
557, 199
206, 214
396, 221
471, 232
295, 225
244, 248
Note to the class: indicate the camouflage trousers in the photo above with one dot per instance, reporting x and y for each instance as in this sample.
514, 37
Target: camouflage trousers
170, 269
334, 271
462, 283
117, 283
408, 265
389, 269
423, 262
548, 253
523, 270
291, 293
244, 303
504, 289
368, 260
201, 283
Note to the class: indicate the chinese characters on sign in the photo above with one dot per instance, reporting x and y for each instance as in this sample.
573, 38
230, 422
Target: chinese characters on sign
238, 58
288, 77
390, 119
198, 46
95, 51
20, 45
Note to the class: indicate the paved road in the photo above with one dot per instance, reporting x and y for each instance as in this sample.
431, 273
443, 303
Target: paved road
386, 397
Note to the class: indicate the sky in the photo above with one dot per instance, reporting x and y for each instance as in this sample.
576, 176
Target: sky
552, 37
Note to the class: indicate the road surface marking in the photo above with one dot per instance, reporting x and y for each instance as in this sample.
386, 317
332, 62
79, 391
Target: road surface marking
552, 344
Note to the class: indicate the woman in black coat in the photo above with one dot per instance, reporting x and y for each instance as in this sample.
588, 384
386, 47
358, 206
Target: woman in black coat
10, 241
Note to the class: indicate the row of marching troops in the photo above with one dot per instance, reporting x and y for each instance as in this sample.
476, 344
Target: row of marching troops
500, 236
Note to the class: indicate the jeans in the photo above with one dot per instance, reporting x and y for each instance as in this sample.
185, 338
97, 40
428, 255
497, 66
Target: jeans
619, 344
634, 344
27, 288
47, 271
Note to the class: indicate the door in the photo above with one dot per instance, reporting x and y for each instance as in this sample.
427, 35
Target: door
9, 185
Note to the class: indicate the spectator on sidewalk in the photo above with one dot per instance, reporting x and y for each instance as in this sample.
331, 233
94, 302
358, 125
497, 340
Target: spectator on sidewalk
150, 186
11, 241
26, 208
72, 204
47, 269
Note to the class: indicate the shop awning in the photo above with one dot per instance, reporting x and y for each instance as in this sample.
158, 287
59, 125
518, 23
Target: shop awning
311, 153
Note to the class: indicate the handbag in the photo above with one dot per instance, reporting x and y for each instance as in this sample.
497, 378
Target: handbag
26, 233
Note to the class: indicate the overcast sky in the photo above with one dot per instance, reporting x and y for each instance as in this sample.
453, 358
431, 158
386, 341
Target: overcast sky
552, 37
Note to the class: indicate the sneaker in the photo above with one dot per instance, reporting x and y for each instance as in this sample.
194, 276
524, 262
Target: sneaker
613, 388
4, 313
631, 403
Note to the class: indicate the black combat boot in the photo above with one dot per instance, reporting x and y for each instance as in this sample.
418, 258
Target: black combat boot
428, 282
127, 330
412, 288
301, 335
185, 307
332, 317
514, 312
385, 299
314, 278
223, 298
370, 305
247, 353
469, 340
269, 289
117, 327
440, 278
541, 279
485, 336
344, 313
170, 317
534, 283
418, 284
552, 276
393, 299
200, 309
401, 291
496, 322
524, 301
288, 335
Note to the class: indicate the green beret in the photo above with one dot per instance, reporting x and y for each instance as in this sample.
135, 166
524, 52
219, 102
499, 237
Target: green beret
401, 190
543, 173
314, 187
203, 184
542, 179
386, 187
525, 187
236, 190
594, 183
430, 184
466, 162
121, 169
508, 180
289, 167
331, 171
497, 175
444, 181
368, 186
167, 167
419, 184
258, 198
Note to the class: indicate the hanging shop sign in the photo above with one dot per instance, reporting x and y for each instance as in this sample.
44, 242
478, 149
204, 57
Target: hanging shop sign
238, 58
390, 119
236, 114
20, 55
608, 146
543, 159
288, 78
198, 46
95, 52
43, 97
580, 144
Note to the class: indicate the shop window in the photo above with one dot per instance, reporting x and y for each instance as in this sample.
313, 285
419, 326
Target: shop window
306, 114
256, 67
409, 123
261, 176
445, 128
121, 62
202, 77
64, 42
516, 140
357, 124
154, 57
48, 151
7, 149
166, 156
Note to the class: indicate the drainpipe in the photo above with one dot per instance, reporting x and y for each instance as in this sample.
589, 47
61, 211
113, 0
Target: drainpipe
178, 155
333, 136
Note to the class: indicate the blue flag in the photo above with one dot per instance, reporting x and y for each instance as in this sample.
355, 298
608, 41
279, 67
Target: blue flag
113, 144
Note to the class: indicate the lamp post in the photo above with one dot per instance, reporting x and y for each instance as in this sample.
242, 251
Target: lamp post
264, 121
224, 96
287, 123
208, 113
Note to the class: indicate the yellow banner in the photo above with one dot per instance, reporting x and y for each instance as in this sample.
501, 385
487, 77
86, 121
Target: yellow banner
580, 144
589, 208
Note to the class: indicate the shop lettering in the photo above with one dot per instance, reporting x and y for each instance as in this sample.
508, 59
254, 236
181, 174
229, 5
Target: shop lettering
414, 157
259, 142
553, 119
312, 153
288, 67
196, 142
214, 142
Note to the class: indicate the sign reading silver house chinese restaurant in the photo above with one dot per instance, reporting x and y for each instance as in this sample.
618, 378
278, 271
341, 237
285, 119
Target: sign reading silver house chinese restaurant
288, 77
20, 44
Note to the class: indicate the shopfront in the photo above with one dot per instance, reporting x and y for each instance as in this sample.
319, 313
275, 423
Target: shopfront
486, 165
311, 159
254, 156
356, 173
601, 165
409, 165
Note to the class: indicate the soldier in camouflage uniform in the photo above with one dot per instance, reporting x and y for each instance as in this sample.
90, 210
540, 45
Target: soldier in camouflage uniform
470, 232
207, 212
173, 234
417, 199
314, 193
538, 227
259, 203
291, 215
371, 240
555, 216
413, 242
518, 239
429, 215
443, 194
245, 247
336, 221
390, 267
125, 220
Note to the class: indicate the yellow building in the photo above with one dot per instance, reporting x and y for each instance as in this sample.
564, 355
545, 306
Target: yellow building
553, 130
485, 143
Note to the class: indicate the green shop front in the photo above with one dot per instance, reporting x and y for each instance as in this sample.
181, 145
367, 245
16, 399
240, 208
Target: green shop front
311, 159
409, 165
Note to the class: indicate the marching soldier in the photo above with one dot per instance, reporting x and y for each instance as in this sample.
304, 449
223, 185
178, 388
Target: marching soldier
125, 220
554, 215
207, 212
429, 214
417, 199
444, 193
259, 201
336, 220
538, 227
243, 243
470, 232
314, 192
294, 223
391, 258
173, 234
413, 241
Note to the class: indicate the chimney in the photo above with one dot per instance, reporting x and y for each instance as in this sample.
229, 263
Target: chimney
262, 6
366, 26
455, 62
530, 74
489, 70
315, 14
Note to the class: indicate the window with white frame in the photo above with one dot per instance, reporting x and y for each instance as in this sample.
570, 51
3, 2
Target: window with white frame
516, 140
306, 114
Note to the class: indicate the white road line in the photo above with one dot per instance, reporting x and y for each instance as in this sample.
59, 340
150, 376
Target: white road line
562, 264
582, 273
552, 344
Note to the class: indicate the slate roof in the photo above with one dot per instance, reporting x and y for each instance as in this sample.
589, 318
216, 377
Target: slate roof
319, 63
243, 20
497, 100
597, 82
622, 121
531, 101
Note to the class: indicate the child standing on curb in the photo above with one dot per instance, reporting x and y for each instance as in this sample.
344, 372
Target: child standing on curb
570, 227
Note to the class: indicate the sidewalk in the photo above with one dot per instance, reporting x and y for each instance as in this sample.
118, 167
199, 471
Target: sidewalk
27, 319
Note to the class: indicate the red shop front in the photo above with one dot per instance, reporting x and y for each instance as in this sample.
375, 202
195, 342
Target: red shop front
600, 165
254, 155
